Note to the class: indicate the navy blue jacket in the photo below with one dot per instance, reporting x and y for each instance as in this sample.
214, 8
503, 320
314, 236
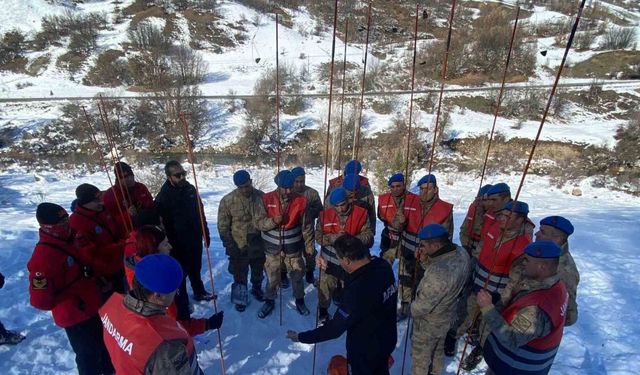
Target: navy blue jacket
368, 314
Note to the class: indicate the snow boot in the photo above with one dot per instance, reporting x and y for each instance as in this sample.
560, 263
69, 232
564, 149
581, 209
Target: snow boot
10, 338
240, 308
284, 280
403, 312
203, 296
239, 296
450, 343
309, 277
267, 308
256, 292
323, 316
301, 307
473, 360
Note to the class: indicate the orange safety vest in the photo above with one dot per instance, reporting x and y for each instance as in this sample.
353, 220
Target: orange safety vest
287, 236
536, 357
330, 224
438, 214
131, 338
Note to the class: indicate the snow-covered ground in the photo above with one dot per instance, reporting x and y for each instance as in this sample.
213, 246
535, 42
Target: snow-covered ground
605, 340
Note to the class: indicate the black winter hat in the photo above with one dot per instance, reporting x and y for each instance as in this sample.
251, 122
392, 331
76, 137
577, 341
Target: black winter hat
86, 193
122, 167
50, 213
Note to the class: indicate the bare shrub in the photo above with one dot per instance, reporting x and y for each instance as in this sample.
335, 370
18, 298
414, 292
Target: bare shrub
12, 45
187, 66
626, 150
585, 39
147, 37
110, 70
617, 37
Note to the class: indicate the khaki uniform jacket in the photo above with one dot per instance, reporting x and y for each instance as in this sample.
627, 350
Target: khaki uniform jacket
241, 219
364, 199
439, 290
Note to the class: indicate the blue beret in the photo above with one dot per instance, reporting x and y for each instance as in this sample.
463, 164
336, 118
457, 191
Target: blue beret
159, 273
543, 249
558, 222
241, 177
297, 172
338, 196
426, 179
521, 207
351, 182
432, 231
284, 179
499, 188
353, 166
398, 177
483, 190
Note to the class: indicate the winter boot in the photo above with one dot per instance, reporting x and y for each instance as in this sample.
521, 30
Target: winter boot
267, 308
256, 292
284, 280
403, 312
203, 296
473, 360
10, 338
240, 307
323, 316
309, 277
450, 343
301, 307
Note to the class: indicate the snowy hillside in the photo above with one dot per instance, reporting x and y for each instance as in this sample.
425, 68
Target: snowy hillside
603, 341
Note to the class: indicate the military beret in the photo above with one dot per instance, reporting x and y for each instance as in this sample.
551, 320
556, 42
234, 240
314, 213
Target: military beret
159, 273
498, 188
398, 177
297, 172
558, 222
338, 196
351, 182
521, 207
87, 193
432, 231
543, 249
50, 213
483, 190
353, 166
241, 177
427, 179
284, 179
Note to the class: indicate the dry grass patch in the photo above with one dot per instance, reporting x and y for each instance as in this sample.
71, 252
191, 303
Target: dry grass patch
604, 65
38, 65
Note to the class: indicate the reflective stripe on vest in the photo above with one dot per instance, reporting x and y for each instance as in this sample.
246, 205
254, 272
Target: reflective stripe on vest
497, 281
290, 240
409, 241
536, 357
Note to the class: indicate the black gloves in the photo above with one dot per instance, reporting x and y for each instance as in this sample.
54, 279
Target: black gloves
1, 280
215, 321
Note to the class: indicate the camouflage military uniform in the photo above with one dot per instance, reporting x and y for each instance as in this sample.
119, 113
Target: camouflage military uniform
314, 206
390, 254
239, 223
366, 200
446, 273
476, 227
328, 283
568, 272
408, 272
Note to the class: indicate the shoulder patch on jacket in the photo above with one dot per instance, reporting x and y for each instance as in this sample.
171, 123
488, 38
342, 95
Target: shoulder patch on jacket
39, 281
521, 323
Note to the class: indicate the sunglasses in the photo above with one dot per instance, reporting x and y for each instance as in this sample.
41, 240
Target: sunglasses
180, 174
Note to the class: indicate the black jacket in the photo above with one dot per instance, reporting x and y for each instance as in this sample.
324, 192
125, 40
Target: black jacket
178, 207
368, 314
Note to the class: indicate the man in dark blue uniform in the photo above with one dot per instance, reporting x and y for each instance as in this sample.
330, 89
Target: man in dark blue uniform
367, 312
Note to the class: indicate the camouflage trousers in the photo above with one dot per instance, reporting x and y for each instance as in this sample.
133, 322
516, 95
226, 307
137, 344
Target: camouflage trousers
427, 347
309, 262
409, 277
479, 331
389, 255
241, 260
327, 284
294, 266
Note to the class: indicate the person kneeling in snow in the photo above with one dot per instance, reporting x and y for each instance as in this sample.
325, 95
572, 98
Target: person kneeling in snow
367, 312
140, 336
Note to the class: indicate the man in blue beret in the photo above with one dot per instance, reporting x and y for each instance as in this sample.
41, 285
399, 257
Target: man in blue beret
499, 253
342, 217
447, 268
556, 229
471, 228
239, 225
420, 211
314, 206
391, 213
498, 195
361, 195
352, 167
286, 239
139, 334
525, 333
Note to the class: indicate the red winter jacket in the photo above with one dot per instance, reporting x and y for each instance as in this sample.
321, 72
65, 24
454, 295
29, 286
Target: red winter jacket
140, 199
57, 283
102, 236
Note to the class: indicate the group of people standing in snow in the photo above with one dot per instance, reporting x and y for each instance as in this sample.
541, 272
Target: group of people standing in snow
114, 272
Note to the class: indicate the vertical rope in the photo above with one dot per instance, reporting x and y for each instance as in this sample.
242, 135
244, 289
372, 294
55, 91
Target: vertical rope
187, 140
356, 139
280, 226
344, 84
